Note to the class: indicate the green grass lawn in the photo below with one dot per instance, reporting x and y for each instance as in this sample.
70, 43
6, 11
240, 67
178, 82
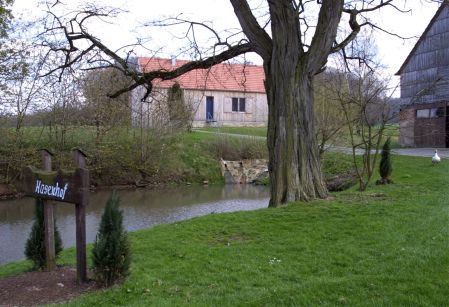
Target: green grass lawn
390, 130
388, 246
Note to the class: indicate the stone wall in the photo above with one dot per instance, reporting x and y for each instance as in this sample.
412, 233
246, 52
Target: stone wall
244, 171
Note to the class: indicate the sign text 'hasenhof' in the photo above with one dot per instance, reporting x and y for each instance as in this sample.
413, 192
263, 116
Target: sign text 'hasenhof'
50, 190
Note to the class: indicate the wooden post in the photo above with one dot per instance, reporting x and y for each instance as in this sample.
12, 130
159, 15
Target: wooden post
80, 158
81, 265
50, 259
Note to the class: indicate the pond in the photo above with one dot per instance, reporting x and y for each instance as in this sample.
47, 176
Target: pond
142, 209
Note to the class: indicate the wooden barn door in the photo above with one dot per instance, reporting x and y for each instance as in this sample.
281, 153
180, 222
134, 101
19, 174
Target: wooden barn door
431, 130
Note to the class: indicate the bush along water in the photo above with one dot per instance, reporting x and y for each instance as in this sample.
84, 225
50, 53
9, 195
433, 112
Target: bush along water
111, 251
35, 245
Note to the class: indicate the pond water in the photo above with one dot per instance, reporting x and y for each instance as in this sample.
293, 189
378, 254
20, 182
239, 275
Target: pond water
142, 209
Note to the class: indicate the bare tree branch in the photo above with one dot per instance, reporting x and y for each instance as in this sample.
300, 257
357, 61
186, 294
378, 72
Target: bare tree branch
355, 26
328, 19
260, 40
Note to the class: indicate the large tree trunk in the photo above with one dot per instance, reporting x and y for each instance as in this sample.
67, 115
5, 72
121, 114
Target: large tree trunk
294, 164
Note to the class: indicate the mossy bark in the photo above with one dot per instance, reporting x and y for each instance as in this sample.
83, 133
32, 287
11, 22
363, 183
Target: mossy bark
294, 164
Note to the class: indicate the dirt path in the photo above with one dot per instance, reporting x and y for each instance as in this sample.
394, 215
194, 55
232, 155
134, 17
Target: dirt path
41, 288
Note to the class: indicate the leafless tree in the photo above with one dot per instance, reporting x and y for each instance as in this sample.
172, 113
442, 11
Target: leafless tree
20, 94
106, 113
61, 100
363, 98
23, 85
294, 49
329, 116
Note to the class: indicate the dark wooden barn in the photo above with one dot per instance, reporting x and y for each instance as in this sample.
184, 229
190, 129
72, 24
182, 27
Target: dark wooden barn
425, 86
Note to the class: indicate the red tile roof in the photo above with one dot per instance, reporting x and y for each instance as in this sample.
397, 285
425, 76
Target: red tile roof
221, 77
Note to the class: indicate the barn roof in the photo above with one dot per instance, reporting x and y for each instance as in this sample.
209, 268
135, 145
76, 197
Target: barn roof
220, 77
421, 38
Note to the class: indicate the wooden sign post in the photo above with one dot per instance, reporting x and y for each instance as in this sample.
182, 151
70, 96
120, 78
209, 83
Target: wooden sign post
71, 186
80, 212
49, 220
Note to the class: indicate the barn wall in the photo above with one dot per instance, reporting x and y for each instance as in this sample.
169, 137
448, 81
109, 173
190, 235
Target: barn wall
431, 132
407, 127
423, 132
425, 84
424, 79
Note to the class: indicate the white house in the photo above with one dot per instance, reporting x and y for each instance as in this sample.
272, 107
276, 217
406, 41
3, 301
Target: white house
225, 95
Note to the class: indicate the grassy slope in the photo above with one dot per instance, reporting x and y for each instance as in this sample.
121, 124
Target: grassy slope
388, 246
117, 159
189, 157
253, 131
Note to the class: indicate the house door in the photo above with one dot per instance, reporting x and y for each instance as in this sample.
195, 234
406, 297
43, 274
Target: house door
209, 108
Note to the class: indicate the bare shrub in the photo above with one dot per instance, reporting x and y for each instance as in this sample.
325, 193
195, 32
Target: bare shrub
238, 148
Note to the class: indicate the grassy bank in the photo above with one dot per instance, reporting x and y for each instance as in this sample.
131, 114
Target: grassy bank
127, 156
386, 247
121, 156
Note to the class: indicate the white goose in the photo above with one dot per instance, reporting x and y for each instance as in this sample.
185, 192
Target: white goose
436, 158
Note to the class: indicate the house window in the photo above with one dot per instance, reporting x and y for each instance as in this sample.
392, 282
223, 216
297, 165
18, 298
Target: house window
430, 113
242, 104
423, 113
235, 104
238, 104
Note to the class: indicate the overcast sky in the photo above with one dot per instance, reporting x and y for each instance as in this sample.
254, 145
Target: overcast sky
123, 30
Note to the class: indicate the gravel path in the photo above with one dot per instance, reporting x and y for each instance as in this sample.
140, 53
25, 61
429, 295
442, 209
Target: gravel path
421, 152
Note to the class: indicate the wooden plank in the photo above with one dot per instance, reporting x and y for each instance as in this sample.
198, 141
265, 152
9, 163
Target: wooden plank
61, 185
50, 258
81, 262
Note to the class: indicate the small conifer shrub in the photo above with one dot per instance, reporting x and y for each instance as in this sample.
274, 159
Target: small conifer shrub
385, 166
35, 245
111, 252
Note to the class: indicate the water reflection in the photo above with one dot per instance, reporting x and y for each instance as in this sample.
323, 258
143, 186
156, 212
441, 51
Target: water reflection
142, 209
